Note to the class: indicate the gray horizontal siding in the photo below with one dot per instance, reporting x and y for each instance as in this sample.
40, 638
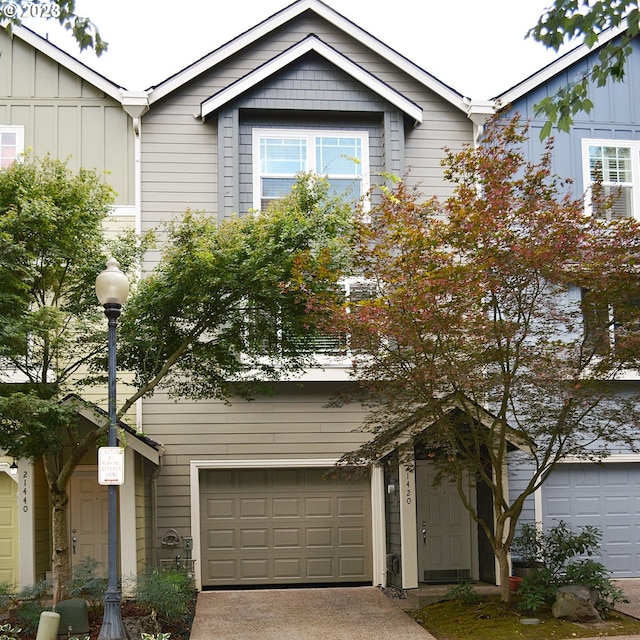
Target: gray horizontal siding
311, 84
294, 423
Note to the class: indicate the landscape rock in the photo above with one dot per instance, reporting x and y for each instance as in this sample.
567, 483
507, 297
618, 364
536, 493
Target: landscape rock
577, 604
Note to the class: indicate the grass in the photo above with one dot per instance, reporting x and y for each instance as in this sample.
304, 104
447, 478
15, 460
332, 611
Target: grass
489, 618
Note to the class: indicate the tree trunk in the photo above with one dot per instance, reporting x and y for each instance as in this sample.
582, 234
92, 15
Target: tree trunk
60, 566
503, 563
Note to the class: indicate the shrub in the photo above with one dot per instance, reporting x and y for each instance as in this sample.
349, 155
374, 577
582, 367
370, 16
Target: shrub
7, 632
85, 584
464, 591
30, 603
168, 592
559, 549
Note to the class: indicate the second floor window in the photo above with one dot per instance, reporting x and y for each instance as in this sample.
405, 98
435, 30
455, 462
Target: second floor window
616, 165
11, 144
280, 154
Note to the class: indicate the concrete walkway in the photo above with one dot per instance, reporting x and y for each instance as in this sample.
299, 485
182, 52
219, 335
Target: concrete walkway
354, 613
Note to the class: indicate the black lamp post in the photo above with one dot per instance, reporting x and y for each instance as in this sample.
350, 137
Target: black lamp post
112, 288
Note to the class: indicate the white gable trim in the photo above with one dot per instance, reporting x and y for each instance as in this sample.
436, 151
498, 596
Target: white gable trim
68, 61
287, 14
311, 43
561, 64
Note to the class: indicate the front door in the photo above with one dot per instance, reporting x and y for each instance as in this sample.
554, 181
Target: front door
88, 517
444, 528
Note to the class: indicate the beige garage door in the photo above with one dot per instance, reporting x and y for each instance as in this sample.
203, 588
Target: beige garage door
8, 530
283, 526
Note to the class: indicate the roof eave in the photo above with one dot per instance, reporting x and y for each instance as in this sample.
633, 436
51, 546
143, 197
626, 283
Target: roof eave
285, 15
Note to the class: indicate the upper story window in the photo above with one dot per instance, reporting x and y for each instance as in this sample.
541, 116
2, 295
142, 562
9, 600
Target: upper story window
280, 154
11, 144
616, 165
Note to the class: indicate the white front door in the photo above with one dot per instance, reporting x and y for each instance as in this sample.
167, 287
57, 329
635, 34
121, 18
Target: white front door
444, 528
88, 517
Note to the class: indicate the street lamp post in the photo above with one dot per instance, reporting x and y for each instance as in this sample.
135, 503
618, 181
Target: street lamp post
112, 289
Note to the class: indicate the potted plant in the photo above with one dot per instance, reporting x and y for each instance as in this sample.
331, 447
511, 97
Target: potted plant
527, 550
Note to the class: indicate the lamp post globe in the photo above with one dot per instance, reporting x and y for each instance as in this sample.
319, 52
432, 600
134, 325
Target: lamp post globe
112, 289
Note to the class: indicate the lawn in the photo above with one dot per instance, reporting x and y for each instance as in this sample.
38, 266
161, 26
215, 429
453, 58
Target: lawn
489, 618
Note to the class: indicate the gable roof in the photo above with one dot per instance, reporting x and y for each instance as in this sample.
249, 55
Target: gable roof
289, 13
311, 43
563, 63
68, 61
145, 446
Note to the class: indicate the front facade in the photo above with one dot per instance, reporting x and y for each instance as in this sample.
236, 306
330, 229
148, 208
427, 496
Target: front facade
244, 485
603, 145
238, 492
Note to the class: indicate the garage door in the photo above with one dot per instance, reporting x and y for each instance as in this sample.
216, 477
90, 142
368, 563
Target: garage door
8, 530
606, 496
283, 526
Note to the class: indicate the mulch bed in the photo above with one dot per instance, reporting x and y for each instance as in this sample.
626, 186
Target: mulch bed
179, 630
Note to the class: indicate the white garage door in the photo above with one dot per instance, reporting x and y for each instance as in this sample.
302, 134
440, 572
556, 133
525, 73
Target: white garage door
606, 496
283, 526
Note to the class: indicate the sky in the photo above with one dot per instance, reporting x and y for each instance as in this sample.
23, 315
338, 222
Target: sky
477, 47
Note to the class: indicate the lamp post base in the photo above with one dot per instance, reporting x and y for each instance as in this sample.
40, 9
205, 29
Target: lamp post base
112, 628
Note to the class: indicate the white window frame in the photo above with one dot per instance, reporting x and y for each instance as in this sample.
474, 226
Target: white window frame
634, 147
260, 133
19, 131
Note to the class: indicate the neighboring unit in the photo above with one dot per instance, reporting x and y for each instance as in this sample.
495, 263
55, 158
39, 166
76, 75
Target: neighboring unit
603, 145
52, 104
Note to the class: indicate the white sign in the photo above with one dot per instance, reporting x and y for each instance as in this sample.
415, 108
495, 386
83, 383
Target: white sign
110, 465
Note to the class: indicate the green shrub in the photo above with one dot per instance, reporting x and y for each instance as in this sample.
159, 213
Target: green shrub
7, 597
86, 585
7, 632
465, 592
168, 592
559, 549
30, 603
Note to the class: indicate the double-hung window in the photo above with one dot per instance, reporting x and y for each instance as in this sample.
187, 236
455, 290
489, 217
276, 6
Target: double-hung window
616, 166
11, 144
280, 154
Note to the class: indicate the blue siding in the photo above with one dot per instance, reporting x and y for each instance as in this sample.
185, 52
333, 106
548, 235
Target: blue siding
615, 115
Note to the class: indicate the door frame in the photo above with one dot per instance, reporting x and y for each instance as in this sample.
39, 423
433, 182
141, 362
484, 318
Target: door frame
422, 466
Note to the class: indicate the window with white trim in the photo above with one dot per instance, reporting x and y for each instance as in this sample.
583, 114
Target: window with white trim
11, 144
280, 154
616, 165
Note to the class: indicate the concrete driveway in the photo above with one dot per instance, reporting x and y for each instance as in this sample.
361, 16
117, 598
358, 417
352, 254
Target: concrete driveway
340, 613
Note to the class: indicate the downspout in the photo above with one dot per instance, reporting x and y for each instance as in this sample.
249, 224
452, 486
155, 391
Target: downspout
154, 509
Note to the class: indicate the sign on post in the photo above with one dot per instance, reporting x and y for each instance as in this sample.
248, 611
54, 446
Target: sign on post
111, 465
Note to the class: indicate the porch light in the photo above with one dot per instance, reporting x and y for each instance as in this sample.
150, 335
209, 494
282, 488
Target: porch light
13, 469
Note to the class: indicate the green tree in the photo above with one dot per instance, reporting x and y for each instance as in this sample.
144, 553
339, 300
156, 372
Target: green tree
84, 31
567, 20
222, 299
470, 344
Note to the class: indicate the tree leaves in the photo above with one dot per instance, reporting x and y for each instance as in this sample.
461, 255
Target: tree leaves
570, 19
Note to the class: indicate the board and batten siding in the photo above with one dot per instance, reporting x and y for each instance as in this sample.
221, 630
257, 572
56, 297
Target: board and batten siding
65, 116
293, 423
184, 158
615, 115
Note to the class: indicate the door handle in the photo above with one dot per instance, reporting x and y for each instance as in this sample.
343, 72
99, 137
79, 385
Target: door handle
73, 543
424, 534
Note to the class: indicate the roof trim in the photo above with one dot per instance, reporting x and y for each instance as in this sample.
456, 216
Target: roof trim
285, 15
68, 61
143, 445
558, 66
310, 43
